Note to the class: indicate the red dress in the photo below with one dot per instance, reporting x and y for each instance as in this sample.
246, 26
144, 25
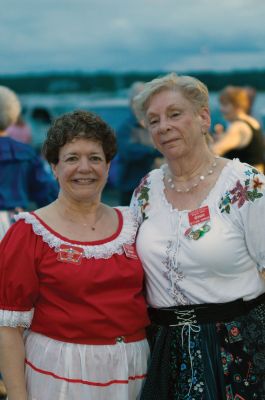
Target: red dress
86, 297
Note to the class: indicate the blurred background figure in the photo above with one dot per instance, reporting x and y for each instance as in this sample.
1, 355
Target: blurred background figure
40, 120
243, 137
136, 153
24, 181
252, 93
20, 130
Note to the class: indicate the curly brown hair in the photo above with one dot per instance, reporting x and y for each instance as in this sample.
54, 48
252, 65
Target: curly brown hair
78, 124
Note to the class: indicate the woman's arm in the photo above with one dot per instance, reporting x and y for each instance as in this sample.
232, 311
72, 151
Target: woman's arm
12, 362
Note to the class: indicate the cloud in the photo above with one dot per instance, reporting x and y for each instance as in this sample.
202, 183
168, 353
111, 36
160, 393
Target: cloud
89, 35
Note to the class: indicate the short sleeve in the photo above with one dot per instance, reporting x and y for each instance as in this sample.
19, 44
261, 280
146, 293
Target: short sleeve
19, 284
252, 216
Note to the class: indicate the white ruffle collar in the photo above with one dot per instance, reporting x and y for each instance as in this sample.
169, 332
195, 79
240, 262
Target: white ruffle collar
104, 250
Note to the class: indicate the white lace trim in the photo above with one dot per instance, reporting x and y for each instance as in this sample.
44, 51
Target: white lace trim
14, 319
105, 250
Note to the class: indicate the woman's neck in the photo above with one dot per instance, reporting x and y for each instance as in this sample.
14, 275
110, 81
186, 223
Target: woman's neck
77, 208
186, 168
78, 214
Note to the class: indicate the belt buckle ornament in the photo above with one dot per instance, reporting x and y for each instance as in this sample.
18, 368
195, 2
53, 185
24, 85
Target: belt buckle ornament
120, 339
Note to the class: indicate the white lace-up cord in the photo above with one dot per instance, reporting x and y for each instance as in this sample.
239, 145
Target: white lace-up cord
187, 319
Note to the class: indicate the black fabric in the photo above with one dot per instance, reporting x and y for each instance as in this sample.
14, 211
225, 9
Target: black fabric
203, 313
209, 361
157, 385
213, 369
253, 153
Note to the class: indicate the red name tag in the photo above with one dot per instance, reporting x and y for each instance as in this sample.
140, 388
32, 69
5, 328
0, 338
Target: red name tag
129, 251
200, 215
70, 254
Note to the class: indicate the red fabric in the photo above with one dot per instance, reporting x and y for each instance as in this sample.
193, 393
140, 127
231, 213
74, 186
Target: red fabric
100, 298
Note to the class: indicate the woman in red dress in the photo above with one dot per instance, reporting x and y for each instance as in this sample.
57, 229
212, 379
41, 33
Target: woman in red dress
70, 274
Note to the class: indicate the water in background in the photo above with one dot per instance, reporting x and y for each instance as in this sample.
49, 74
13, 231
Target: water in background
112, 109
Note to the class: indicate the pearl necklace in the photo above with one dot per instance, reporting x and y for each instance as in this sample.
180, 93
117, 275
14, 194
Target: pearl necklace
194, 185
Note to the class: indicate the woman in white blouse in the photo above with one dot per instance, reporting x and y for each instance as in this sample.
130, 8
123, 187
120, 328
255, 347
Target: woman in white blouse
201, 241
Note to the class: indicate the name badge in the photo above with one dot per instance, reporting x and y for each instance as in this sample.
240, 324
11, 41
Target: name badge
130, 251
198, 216
70, 254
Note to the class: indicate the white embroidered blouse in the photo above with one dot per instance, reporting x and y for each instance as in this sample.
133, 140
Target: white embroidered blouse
214, 261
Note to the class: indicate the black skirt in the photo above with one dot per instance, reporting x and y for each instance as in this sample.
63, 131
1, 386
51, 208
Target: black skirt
209, 356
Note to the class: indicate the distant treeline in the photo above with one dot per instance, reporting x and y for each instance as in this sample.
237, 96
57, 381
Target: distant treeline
113, 82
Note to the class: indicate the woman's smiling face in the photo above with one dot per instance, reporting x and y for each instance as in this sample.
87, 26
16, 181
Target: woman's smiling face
82, 170
174, 124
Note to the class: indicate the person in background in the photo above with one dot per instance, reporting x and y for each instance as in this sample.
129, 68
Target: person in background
201, 242
40, 121
71, 275
243, 138
252, 94
22, 176
20, 130
24, 181
136, 153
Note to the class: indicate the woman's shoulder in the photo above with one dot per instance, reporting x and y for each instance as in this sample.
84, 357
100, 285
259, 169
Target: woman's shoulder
242, 184
245, 124
151, 177
242, 170
20, 231
251, 121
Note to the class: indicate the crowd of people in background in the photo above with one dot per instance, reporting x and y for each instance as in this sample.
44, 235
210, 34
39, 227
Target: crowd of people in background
191, 225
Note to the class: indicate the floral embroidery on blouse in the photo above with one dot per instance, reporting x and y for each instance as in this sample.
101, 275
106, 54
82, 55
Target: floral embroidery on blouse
248, 191
142, 196
174, 275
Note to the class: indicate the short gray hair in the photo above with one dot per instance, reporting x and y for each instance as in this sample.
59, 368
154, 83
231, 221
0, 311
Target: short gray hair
135, 89
191, 88
9, 107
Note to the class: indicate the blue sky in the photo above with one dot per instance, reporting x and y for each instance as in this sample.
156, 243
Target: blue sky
131, 35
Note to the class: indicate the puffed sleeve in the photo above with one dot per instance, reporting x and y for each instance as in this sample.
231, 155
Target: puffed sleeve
253, 221
19, 283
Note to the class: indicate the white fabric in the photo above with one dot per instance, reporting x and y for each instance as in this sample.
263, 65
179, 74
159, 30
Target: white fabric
65, 371
16, 318
222, 265
106, 250
5, 222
